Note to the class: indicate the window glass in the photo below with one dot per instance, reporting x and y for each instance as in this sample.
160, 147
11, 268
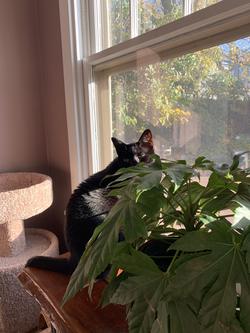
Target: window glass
119, 21
196, 104
130, 18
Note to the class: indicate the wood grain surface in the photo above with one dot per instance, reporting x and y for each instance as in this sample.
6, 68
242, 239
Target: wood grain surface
79, 315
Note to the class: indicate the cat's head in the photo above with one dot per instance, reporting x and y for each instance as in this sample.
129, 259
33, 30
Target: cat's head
133, 153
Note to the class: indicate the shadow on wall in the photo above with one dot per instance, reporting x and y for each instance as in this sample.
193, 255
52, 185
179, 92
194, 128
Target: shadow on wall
53, 218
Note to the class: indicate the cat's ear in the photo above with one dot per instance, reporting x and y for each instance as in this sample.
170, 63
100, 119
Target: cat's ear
119, 145
146, 137
146, 141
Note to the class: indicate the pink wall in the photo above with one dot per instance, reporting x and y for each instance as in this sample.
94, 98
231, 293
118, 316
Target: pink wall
33, 129
53, 109
22, 137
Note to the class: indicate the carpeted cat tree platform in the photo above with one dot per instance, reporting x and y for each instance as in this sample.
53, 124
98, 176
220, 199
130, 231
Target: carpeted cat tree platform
22, 195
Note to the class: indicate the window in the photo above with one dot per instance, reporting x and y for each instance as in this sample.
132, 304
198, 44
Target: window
130, 18
179, 67
195, 104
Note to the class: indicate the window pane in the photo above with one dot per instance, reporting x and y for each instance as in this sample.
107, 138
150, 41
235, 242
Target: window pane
130, 18
119, 21
197, 104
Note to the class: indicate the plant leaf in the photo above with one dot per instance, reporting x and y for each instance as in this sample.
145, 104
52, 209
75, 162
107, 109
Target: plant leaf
149, 181
137, 263
212, 277
161, 323
246, 248
218, 202
241, 218
134, 226
94, 261
111, 288
236, 160
154, 195
145, 292
178, 172
217, 181
182, 319
192, 241
243, 192
76, 282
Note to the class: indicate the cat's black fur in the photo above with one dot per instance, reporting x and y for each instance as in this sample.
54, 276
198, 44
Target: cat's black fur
89, 204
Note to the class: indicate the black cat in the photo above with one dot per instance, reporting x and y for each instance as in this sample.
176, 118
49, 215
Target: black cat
89, 204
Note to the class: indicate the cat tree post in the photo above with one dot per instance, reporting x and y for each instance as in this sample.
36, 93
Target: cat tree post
12, 238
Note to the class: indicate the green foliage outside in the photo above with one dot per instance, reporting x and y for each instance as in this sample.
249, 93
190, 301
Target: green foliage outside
169, 93
205, 286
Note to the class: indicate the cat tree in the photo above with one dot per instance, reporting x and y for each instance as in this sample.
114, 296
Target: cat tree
22, 195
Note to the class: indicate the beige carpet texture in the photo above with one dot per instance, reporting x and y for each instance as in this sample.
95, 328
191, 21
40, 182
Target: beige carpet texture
22, 195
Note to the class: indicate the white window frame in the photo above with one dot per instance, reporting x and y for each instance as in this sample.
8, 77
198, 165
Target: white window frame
89, 130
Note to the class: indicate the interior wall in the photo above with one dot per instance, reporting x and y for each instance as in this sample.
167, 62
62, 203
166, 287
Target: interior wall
22, 136
33, 128
54, 110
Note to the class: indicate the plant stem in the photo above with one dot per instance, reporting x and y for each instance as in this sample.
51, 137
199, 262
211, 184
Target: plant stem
172, 262
173, 198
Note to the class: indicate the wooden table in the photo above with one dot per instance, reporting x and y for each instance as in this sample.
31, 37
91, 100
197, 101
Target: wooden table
79, 315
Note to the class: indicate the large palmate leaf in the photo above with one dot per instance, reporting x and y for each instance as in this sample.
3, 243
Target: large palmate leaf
212, 278
132, 222
136, 263
161, 323
94, 261
140, 169
143, 311
179, 172
102, 245
149, 181
143, 183
219, 201
175, 317
154, 195
145, 291
218, 306
216, 180
111, 288
246, 247
150, 310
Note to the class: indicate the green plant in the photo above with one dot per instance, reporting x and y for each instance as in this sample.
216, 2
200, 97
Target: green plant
205, 285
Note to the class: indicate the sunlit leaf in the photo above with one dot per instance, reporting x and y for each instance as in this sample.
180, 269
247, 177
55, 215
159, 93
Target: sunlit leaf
218, 202
179, 172
241, 218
